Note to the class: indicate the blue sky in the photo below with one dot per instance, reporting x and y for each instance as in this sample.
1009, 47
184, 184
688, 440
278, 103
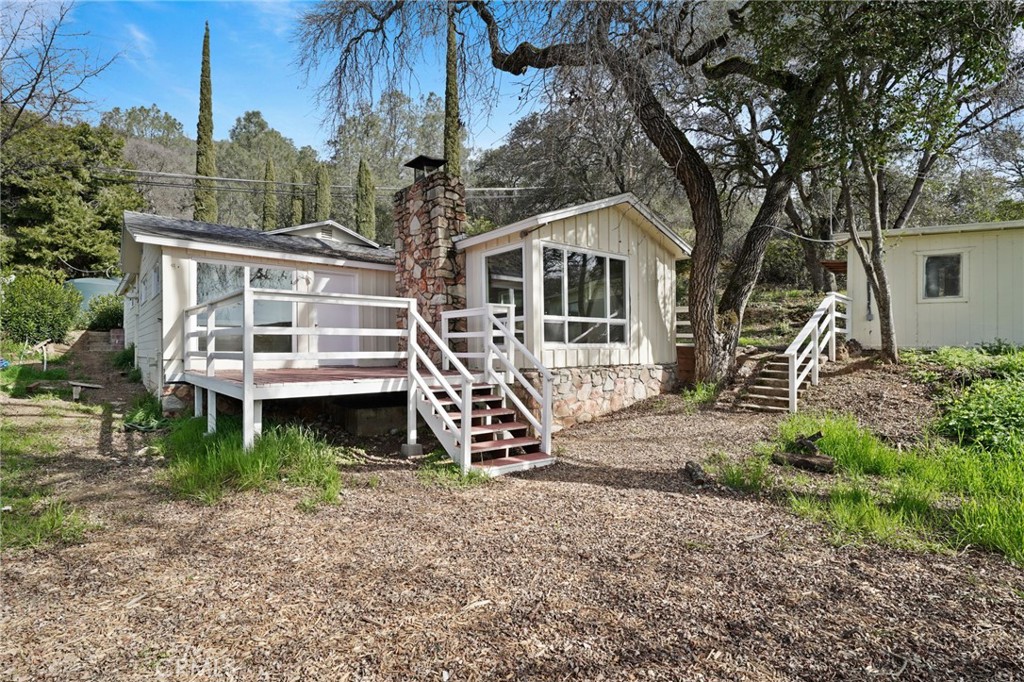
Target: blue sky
253, 62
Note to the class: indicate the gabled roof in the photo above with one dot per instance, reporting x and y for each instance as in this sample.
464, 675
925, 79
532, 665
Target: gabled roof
144, 227
326, 223
625, 200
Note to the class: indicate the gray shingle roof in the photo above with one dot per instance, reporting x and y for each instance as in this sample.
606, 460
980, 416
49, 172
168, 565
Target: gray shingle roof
162, 226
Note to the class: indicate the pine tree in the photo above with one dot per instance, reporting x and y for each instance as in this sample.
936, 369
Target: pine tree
269, 197
366, 202
452, 126
297, 207
323, 193
206, 157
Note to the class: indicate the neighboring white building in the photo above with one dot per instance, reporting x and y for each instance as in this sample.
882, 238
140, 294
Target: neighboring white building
952, 285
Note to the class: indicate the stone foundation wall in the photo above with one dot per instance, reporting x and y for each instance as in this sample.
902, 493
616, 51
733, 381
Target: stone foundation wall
177, 398
579, 394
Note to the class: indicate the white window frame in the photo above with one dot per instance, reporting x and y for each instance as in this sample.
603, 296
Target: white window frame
922, 258
144, 289
520, 320
565, 319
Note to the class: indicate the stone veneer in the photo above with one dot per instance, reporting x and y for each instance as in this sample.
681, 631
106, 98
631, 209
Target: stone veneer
579, 394
428, 215
176, 399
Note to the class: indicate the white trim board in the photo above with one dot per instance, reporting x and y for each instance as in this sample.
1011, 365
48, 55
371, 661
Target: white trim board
326, 223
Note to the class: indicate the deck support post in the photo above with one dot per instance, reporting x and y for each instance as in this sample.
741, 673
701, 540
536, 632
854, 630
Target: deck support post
249, 430
411, 448
197, 408
832, 328
211, 411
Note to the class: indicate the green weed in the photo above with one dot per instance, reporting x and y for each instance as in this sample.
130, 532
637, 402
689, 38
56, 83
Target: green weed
145, 414
124, 360
752, 475
438, 469
135, 375
204, 468
699, 395
989, 413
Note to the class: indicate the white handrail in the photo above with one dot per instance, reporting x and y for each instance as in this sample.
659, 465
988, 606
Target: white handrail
817, 335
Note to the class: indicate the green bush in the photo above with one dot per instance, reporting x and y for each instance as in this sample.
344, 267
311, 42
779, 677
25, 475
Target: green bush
989, 413
35, 307
124, 360
784, 265
105, 312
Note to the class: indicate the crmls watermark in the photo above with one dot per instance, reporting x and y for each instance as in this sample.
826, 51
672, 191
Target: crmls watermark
194, 663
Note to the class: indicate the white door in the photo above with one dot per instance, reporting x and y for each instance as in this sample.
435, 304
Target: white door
333, 315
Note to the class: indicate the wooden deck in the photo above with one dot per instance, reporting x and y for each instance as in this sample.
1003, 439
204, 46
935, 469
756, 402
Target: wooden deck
269, 384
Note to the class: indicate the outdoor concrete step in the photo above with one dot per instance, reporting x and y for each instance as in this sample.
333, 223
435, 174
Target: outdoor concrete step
502, 444
774, 374
756, 407
760, 389
497, 427
766, 399
508, 465
772, 381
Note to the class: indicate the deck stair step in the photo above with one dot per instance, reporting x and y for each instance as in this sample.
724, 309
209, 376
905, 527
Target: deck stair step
497, 427
482, 414
478, 398
503, 444
513, 463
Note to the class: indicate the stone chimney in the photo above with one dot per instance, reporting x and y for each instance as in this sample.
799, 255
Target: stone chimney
429, 214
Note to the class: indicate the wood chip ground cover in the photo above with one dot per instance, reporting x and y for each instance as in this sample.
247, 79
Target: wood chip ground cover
606, 566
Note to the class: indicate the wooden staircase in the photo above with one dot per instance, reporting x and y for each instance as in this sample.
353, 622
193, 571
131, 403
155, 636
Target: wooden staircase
768, 389
501, 442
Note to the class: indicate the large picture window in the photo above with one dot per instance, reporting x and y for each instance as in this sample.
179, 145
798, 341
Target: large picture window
584, 297
505, 283
214, 280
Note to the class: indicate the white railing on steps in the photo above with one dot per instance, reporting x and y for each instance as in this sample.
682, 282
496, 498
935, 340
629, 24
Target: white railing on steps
493, 340
819, 334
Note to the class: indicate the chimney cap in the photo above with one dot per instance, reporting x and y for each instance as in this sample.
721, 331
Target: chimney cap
424, 165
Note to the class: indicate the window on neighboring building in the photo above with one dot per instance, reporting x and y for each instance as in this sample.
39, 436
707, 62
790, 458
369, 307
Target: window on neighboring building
214, 280
584, 297
943, 276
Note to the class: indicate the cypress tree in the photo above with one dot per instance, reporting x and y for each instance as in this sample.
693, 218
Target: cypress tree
297, 207
323, 193
269, 198
452, 148
206, 159
366, 202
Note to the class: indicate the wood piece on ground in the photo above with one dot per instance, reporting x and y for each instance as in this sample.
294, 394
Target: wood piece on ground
817, 462
77, 386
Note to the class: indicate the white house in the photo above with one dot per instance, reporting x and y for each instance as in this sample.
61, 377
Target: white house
952, 285
318, 310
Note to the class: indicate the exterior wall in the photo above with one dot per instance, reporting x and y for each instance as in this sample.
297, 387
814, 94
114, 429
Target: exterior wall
377, 283
651, 276
428, 214
148, 338
131, 316
579, 394
993, 307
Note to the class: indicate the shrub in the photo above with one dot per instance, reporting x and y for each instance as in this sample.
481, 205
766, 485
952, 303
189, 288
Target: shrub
35, 307
124, 360
105, 312
989, 413
784, 265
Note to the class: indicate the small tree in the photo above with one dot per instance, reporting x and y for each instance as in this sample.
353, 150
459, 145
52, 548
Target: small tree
297, 207
269, 197
366, 202
206, 155
323, 193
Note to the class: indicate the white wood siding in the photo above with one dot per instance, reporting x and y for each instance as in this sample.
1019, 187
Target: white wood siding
377, 283
149, 341
650, 271
993, 282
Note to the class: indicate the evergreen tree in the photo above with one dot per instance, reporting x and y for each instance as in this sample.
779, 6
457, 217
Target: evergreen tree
452, 149
323, 193
366, 202
206, 156
269, 197
297, 202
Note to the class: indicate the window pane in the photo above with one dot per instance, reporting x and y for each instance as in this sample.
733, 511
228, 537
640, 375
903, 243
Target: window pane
217, 279
942, 276
588, 332
617, 284
617, 333
553, 279
505, 279
586, 285
554, 332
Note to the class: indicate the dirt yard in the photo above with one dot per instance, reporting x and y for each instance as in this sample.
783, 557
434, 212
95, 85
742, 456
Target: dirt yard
607, 566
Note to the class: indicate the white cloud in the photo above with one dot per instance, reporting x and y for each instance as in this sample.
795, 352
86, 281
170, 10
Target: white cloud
141, 43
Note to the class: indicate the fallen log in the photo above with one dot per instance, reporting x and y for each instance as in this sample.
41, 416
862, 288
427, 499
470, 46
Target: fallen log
822, 464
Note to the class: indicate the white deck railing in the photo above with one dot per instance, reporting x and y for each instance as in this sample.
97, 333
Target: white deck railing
422, 392
819, 334
496, 343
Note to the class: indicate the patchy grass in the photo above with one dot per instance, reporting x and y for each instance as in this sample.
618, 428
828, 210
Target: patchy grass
124, 360
774, 316
145, 414
31, 515
699, 395
14, 380
988, 413
439, 469
204, 468
940, 494
751, 475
